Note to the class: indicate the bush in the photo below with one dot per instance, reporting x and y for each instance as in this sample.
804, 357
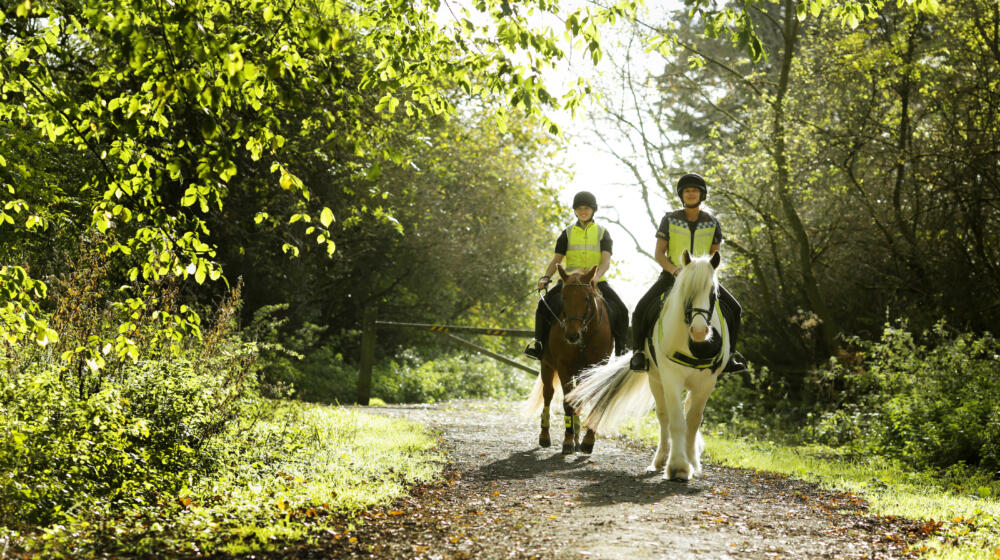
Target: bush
753, 403
930, 405
89, 429
452, 376
149, 433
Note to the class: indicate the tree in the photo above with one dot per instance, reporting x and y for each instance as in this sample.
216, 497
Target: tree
169, 109
818, 253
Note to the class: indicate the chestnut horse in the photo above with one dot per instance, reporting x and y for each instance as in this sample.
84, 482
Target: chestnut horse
579, 338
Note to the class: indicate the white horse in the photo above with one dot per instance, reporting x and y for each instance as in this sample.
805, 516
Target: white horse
689, 326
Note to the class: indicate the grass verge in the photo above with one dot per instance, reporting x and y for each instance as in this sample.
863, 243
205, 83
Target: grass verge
961, 504
303, 472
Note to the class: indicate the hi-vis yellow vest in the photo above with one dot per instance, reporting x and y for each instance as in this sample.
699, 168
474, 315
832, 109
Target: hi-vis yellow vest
681, 238
584, 249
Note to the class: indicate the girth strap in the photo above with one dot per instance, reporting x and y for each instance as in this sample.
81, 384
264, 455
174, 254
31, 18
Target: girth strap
697, 363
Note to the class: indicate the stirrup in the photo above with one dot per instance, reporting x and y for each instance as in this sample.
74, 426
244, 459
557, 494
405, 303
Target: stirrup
736, 364
534, 350
638, 361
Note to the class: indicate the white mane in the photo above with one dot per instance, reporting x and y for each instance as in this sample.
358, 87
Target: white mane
695, 279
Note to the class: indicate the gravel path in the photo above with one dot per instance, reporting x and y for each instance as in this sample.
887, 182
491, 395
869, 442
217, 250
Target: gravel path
508, 498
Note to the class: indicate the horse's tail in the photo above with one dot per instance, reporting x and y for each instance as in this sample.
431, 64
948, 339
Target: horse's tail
608, 395
533, 406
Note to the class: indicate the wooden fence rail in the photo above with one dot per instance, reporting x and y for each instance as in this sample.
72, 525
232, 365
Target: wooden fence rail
369, 324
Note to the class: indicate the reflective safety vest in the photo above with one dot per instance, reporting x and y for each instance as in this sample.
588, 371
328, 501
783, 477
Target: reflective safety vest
584, 249
681, 238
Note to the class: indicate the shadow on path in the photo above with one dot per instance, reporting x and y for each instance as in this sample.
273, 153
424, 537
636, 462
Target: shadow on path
602, 487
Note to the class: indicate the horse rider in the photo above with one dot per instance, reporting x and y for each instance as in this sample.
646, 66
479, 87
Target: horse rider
583, 244
700, 233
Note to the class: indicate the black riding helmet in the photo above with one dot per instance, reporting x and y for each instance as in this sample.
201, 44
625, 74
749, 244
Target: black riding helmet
692, 180
584, 198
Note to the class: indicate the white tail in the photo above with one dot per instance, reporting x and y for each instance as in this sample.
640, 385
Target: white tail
533, 406
609, 394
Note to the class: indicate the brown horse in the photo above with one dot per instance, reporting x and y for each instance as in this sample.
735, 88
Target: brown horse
579, 338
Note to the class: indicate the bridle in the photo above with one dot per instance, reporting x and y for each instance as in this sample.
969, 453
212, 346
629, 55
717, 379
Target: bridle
590, 313
690, 312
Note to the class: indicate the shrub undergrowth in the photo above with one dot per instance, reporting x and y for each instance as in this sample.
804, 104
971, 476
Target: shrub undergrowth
182, 443
929, 402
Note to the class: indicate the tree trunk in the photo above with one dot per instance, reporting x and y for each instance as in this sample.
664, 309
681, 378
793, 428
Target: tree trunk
828, 328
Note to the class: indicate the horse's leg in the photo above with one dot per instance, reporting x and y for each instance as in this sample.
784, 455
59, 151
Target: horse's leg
678, 467
569, 441
663, 447
587, 446
548, 390
695, 409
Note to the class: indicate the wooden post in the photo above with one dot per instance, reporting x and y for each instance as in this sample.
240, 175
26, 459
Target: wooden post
367, 355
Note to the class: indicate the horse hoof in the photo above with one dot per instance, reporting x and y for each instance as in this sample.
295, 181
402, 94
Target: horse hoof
676, 476
568, 449
587, 448
654, 468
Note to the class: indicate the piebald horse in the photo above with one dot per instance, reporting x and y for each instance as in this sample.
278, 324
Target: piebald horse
690, 352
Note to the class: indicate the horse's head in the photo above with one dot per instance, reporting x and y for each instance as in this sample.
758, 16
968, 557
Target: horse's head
696, 284
579, 306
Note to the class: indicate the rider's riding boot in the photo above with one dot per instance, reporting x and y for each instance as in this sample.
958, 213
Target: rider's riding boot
638, 361
737, 364
534, 349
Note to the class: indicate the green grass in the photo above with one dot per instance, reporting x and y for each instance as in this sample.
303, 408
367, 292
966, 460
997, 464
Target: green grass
304, 471
964, 502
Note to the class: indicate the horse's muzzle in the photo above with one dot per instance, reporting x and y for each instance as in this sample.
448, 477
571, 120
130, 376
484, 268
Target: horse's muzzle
699, 334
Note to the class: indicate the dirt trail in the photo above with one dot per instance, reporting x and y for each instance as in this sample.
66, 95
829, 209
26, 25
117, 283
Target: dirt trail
508, 498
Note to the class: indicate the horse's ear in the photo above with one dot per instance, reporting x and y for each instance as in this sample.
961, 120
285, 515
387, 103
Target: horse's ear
716, 259
686, 257
562, 272
590, 274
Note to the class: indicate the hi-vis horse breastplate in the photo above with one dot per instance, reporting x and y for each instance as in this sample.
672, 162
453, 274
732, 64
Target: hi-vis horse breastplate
706, 355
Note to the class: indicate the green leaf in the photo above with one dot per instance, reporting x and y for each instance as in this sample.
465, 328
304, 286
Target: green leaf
326, 217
